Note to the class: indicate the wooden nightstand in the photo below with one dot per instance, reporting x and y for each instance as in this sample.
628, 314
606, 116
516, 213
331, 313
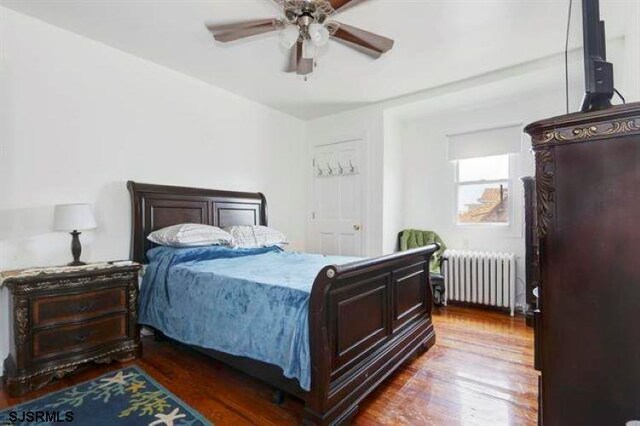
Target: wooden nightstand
63, 317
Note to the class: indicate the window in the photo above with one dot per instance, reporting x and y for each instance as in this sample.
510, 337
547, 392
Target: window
483, 191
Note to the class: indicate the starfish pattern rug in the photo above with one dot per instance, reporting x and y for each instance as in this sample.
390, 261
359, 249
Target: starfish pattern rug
124, 397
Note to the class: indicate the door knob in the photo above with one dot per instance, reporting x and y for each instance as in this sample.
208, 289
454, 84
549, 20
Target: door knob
356, 227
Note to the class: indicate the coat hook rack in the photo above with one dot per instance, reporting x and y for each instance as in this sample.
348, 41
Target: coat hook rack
339, 170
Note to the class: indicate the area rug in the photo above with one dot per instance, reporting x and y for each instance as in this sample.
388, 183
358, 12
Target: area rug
123, 397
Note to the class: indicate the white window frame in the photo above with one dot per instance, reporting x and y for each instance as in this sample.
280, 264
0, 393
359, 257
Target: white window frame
510, 188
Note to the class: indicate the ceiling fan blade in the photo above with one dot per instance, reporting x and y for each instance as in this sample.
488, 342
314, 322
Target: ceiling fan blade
364, 41
237, 30
340, 5
220, 28
304, 66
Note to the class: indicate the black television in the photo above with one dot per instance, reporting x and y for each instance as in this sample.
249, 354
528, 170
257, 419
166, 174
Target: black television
598, 72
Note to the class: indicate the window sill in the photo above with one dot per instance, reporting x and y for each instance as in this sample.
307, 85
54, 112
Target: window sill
483, 225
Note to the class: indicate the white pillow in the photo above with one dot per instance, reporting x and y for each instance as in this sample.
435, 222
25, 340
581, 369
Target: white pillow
190, 235
249, 236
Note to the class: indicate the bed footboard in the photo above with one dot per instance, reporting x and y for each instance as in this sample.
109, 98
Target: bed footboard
366, 319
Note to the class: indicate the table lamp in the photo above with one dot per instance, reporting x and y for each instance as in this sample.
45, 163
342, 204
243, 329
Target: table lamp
73, 218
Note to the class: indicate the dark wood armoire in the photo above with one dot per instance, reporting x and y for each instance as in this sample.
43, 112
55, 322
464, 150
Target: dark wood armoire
588, 226
532, 270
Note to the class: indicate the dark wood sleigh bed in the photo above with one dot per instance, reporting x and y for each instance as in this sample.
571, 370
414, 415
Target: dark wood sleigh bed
365, 318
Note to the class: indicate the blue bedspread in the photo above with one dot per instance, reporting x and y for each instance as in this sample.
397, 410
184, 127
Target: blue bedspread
245, 302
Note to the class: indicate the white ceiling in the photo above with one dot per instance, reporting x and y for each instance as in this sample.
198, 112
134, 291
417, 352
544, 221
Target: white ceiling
437, 42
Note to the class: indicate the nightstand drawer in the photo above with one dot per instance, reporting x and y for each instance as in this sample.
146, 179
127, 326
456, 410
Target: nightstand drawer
64, 308
68, 338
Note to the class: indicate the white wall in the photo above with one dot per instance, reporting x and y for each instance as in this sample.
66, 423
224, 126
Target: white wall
393, 176
78, 119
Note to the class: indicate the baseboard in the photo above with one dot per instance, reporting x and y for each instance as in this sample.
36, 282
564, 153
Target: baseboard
507, 311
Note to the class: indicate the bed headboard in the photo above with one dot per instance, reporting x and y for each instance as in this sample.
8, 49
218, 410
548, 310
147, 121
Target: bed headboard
157, 206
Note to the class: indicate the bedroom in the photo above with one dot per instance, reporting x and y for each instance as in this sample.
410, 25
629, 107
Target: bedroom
94, 94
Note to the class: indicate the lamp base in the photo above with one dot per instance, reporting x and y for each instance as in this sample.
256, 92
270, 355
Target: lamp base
76, 249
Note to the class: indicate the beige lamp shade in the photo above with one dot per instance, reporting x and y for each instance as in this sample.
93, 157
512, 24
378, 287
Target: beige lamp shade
73, 217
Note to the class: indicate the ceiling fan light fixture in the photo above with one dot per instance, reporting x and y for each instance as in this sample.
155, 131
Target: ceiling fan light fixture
308, 49
319, 34
289, 36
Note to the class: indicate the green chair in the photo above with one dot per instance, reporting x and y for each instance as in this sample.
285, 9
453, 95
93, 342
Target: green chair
414, 238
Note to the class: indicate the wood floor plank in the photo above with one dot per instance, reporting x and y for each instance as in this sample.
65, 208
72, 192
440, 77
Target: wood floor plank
478, 373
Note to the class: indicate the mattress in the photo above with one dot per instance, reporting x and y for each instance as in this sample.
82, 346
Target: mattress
244, 302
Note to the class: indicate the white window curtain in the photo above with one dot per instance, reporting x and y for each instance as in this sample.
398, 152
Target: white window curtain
484, 143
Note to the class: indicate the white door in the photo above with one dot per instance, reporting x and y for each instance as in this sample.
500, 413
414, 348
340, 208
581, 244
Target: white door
337, 216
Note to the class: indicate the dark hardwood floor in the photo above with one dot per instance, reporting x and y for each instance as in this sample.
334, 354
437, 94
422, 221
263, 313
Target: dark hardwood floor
479, 372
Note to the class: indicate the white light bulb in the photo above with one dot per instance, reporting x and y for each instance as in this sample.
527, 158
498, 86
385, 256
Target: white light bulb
319, 34
308, 49
289, 36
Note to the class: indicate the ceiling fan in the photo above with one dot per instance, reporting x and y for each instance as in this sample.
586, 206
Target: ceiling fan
305, 27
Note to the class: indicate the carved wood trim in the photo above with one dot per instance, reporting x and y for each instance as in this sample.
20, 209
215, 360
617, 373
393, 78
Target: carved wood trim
594, 131
133, 302
21, 288
21, 321
69, 367
545, 190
